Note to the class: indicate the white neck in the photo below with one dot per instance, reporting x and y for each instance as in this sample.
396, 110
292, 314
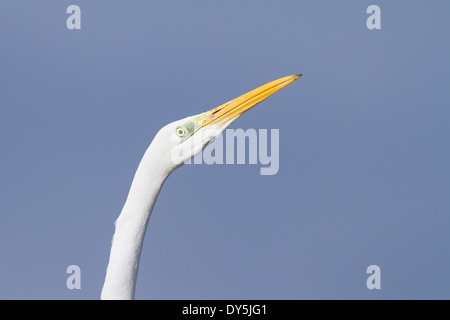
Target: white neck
120, 281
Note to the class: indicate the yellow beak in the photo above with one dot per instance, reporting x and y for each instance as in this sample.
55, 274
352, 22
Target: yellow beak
236, 107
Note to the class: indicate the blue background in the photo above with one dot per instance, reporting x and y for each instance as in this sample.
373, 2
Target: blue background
364, 147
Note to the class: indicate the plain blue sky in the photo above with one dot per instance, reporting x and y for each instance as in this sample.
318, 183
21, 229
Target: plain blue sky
364, 147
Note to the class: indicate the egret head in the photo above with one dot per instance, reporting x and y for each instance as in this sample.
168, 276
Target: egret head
183, 139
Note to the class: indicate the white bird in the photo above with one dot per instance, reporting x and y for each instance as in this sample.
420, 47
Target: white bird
172, 146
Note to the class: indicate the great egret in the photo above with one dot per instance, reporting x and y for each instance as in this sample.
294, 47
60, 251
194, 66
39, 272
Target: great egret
173, 145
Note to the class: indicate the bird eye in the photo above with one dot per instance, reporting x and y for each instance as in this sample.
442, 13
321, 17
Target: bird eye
181, 132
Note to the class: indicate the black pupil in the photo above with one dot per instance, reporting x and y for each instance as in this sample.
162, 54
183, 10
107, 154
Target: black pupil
180, 131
